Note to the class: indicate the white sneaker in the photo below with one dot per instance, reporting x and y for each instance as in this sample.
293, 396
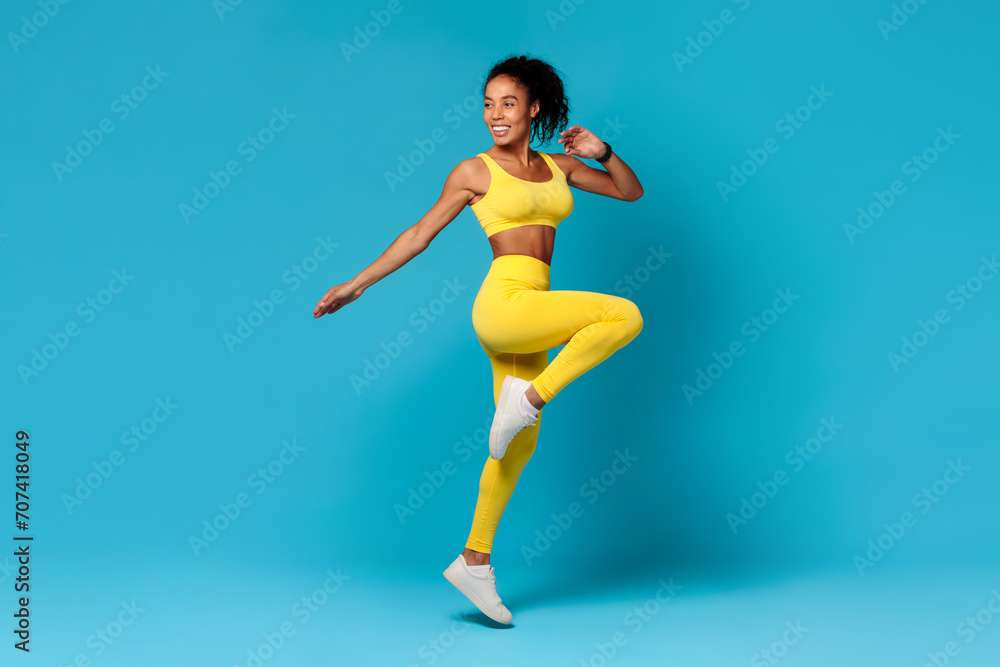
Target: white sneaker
510, 417
480, 588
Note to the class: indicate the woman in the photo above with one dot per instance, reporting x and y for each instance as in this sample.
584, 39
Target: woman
519, 197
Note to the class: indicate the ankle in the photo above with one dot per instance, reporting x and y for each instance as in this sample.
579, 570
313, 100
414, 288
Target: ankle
475, 557
534, 398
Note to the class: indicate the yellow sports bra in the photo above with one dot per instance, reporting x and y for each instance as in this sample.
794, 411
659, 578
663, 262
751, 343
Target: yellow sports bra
513, 202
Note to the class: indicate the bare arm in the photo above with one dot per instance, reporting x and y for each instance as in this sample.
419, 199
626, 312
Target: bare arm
413, 241
618, 182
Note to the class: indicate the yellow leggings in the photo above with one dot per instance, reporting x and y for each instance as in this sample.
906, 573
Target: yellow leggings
518, 319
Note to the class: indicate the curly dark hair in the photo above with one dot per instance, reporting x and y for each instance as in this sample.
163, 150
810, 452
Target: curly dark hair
543, 84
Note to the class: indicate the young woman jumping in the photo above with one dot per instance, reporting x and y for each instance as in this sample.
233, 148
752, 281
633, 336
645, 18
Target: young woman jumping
519, 197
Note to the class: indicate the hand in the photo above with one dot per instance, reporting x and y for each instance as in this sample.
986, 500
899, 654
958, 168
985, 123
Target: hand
336, 298
582, 142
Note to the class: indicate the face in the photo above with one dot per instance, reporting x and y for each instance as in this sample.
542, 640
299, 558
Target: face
506, 105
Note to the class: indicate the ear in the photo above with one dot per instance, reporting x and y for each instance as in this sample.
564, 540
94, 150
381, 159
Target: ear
535, 106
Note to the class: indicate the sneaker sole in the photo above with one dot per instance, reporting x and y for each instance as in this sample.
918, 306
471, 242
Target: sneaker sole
501, 405
467, 592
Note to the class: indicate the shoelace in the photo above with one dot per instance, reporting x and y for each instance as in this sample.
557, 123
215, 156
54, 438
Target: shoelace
493, 581
527, 419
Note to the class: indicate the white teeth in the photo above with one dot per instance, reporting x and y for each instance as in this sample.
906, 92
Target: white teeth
501, 128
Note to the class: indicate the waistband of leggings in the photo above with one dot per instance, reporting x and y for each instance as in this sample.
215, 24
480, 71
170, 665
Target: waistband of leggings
524, 267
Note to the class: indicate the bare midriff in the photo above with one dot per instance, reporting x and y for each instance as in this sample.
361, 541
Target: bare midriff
533, 240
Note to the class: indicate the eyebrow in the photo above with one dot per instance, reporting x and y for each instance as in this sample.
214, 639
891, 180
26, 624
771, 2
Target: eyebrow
504, 97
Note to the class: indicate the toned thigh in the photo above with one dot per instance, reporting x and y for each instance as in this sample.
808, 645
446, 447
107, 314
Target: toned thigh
528, 321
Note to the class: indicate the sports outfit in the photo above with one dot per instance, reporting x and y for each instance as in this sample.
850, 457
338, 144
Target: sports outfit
517, 319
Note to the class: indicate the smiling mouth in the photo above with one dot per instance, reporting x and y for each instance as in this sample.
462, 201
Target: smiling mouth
501, 129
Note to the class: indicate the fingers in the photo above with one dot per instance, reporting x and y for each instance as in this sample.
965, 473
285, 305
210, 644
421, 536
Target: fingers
322, 308
570, 135
336, 298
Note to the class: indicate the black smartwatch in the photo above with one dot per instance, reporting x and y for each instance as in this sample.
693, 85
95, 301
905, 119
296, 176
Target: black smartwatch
607, 153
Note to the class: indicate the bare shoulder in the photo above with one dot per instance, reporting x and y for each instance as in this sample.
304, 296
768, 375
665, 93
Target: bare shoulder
470, 175
568, 163
470, 167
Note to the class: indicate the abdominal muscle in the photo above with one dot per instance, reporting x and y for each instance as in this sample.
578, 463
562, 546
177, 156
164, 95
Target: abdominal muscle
533, 240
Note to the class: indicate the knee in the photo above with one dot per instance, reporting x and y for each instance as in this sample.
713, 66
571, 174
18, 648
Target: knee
632, 319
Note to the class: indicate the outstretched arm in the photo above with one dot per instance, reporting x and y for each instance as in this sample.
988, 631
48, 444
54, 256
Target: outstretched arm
618, 182
413, 241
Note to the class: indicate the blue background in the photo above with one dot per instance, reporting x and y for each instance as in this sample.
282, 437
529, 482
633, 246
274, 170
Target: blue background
682, 127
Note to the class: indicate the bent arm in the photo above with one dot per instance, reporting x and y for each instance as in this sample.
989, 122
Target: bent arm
618, 182
414, 240
623, 178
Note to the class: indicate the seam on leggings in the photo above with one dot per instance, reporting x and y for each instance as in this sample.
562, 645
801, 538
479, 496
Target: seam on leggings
493, 482
486, 507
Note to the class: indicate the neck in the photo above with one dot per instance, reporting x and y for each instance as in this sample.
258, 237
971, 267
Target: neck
520, 153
